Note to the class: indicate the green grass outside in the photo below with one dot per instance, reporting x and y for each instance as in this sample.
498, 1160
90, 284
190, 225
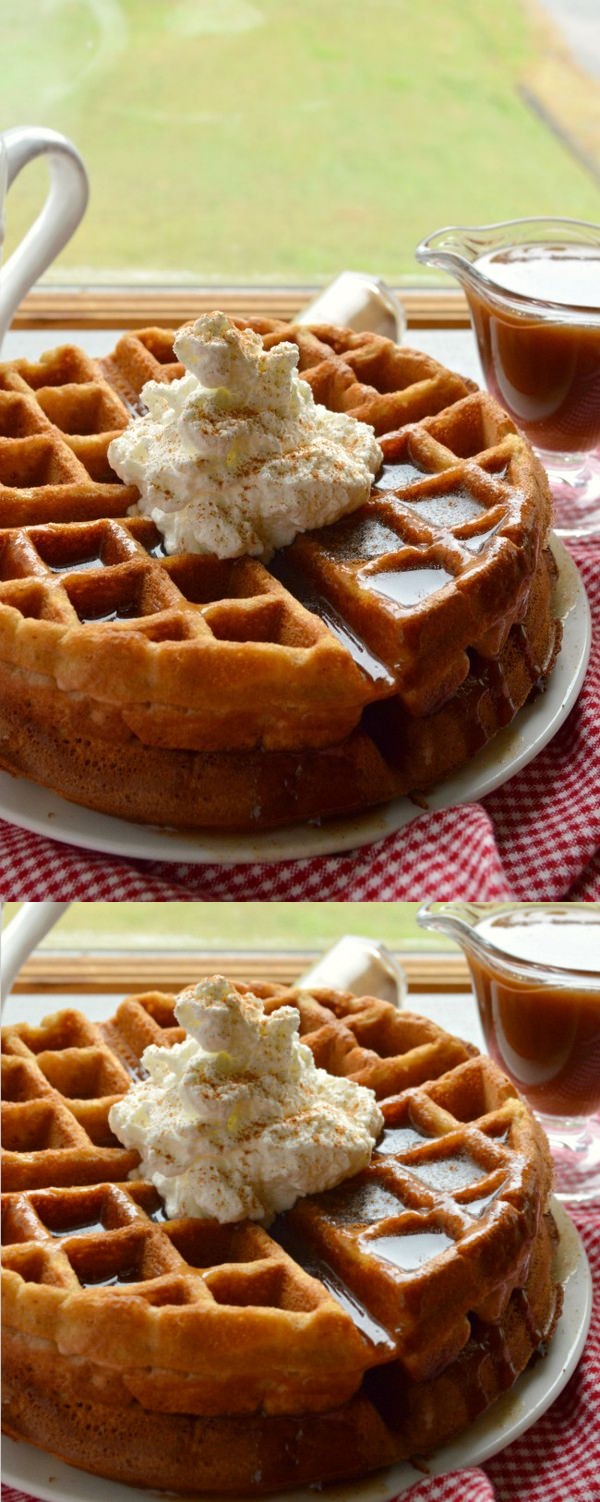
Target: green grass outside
234, 925
281, 140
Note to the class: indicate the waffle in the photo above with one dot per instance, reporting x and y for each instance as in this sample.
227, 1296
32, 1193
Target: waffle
366, 1325
200, 692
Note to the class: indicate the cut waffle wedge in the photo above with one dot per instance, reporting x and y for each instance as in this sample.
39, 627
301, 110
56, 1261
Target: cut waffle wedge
366, 660
367, 1324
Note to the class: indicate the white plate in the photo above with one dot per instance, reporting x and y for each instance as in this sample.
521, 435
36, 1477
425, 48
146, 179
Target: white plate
35, 808
41, 1475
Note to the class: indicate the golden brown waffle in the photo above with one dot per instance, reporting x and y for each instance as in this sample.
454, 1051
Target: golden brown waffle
378, 1310
390, 1418
388, 1268
112, 653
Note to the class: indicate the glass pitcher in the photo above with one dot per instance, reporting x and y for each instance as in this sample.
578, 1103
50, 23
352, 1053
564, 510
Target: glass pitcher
533, 289
536, 975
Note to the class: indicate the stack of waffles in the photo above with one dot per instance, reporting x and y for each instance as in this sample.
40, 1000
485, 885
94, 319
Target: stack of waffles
366, 660
367, 1324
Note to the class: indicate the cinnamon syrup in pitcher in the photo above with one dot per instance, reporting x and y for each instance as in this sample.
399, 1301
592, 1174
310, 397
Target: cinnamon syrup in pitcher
545, 373
542, 1030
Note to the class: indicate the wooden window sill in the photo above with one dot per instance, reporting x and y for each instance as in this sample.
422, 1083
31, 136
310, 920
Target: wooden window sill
55, 973
124, 307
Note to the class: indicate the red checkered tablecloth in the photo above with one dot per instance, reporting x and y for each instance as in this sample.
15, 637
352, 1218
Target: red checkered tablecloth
557, 1460
538, 837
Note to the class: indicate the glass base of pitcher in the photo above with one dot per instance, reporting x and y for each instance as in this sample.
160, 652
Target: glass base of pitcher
575, 1147
575, 485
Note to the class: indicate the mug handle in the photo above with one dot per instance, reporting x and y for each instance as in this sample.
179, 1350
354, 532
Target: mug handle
28, 928
62, 211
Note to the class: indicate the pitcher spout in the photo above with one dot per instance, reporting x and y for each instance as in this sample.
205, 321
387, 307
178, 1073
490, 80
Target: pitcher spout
455, 249
458, 920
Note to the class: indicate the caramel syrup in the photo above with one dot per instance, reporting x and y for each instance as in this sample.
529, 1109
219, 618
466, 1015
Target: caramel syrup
121, 613
397, 476
87, 1228
545, 373
409, 1250
124, 1275
407, 586
297, 1247
399, 1140
544, 1032
78, 565
308, 596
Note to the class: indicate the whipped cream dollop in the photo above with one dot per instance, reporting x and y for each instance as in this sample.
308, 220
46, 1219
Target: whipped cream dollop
237, 1121
236, 457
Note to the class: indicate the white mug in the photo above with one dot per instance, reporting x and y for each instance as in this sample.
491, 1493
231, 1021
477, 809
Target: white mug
18, 941
62, 211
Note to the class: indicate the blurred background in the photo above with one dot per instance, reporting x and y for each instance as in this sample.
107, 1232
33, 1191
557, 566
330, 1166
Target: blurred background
189, 926
272, 142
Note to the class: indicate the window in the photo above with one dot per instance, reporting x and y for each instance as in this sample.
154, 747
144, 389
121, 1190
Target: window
184, 927
264, 142
104, 947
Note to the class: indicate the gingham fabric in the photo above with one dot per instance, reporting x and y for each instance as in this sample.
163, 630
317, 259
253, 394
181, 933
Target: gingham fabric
538, 837
557, 1460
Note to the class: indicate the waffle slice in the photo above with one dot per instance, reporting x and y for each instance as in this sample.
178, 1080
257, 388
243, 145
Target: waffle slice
209, 643
186, 690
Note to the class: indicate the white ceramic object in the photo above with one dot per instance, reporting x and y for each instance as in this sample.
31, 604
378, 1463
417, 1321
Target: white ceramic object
31, 807
362, 966
29, 926
361, 302
536, 1389
61, 213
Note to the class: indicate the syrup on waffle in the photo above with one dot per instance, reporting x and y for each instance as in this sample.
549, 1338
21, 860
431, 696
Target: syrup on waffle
227, 679
427, 1275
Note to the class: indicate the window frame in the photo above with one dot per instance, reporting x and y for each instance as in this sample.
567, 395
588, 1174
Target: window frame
60, 972
132, 307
